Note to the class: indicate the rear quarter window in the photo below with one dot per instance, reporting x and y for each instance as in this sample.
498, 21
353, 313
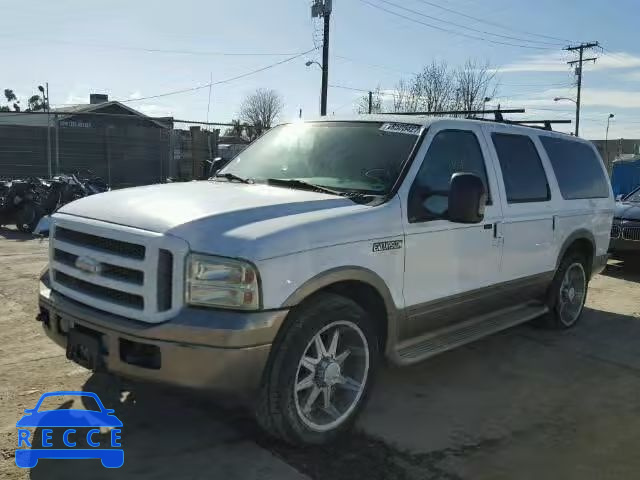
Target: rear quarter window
577, 169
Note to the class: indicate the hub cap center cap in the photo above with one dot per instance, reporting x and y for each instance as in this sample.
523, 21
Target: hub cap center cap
332, 373
572, 294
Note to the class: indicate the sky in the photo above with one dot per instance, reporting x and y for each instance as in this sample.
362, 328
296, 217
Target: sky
136, 49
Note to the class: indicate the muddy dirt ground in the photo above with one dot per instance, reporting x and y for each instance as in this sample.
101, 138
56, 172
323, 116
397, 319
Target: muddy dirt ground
523, 404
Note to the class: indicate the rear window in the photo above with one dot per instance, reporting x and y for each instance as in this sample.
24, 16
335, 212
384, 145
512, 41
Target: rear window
522, 170
577, 168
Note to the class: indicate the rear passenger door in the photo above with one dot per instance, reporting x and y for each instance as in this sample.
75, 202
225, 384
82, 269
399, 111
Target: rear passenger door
528, 222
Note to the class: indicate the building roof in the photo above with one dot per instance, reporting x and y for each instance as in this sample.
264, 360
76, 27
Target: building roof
40, 120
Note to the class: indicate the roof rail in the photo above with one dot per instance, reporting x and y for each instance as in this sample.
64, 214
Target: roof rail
461, 112
498, 117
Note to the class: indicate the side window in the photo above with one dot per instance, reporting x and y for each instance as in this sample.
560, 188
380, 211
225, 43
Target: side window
451, 151
577, 168
522, 170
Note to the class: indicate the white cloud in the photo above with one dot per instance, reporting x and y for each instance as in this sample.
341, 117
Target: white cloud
557, 62
635, 75
135, 95
591, 97
75, 99
152, 110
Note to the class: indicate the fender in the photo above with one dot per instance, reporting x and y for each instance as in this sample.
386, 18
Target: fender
580, 234
351, 273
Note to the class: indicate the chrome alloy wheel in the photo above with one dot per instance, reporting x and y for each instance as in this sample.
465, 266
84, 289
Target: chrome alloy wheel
330, 380
572, 293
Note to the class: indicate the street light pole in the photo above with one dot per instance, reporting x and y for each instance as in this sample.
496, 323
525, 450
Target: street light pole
45, 105
606, 139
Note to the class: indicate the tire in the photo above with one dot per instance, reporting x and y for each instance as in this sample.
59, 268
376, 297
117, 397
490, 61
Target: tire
291, 404
567, 293
27, 217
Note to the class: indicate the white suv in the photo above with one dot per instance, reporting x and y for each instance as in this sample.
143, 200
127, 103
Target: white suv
322, 248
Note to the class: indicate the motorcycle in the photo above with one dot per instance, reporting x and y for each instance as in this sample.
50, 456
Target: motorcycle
18, 205
63, 189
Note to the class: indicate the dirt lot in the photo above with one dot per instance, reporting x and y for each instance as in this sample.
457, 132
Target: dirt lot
524, 404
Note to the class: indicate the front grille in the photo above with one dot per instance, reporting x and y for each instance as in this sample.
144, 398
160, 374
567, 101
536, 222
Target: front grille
108, 245
165, 274
98, 291
117, 269
615, 231
107, 270
631, 233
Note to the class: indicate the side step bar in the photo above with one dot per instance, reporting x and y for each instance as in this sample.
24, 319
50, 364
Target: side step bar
417, 349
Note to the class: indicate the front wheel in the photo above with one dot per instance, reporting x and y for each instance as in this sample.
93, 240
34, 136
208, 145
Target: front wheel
567, 292
321, 371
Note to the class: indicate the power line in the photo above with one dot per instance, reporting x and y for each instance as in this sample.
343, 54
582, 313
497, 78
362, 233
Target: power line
374, 65
161, 50
452, 32
466, 27
495, 24
210, 84
560, 84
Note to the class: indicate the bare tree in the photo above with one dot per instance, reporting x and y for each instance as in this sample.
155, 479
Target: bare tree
376, 102
474, 83
261, 109
435, 88
405, 97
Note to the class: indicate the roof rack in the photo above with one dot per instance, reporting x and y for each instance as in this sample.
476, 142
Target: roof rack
498, 113
498, 117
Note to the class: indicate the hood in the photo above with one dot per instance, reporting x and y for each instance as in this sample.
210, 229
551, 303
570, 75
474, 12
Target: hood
627, 211
232, 219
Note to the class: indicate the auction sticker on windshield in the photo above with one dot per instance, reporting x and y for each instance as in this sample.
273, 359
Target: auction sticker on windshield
407, 128
63, 433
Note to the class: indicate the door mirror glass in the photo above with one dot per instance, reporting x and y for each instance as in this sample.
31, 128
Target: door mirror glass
467, 198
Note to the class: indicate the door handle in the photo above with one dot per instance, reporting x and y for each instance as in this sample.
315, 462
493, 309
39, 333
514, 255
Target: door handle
488, 226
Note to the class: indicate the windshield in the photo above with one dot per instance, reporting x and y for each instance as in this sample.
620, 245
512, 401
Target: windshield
633, 196
344, 156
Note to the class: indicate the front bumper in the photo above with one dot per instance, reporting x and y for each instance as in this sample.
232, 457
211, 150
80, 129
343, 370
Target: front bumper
620, 245
218, 350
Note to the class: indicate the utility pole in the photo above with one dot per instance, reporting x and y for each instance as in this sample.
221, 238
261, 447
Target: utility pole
370, 102
580, 48
322, 8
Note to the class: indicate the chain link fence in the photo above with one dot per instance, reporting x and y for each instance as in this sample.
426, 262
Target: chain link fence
123, 149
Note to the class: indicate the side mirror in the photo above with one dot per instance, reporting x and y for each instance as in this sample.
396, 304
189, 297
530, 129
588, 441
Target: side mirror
215, 166
619, 197
467, 198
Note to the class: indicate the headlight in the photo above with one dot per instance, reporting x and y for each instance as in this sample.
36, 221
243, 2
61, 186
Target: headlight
221, 282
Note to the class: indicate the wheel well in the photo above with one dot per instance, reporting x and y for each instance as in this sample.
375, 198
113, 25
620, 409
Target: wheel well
585, 247
369, 299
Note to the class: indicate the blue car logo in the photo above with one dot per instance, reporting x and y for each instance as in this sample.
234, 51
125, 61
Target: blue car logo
66, 420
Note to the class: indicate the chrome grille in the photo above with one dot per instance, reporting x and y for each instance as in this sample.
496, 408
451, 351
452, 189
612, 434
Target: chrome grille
631, 233
105, 293
108, 245
615, 231
125, 271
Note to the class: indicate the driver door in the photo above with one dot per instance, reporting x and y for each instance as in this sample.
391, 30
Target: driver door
450, 268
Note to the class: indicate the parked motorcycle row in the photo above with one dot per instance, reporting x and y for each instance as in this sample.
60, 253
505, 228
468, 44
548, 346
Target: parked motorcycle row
25, 202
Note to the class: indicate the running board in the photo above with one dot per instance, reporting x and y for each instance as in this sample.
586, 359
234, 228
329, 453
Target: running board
431, 344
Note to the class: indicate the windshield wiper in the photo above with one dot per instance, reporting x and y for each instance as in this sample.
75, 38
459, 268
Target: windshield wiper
231, 177
292, 182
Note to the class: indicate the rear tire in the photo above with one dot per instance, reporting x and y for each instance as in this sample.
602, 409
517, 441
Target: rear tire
567, 293
320, 373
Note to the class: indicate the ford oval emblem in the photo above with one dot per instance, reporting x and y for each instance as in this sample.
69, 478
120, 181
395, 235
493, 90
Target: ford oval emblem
88, 264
